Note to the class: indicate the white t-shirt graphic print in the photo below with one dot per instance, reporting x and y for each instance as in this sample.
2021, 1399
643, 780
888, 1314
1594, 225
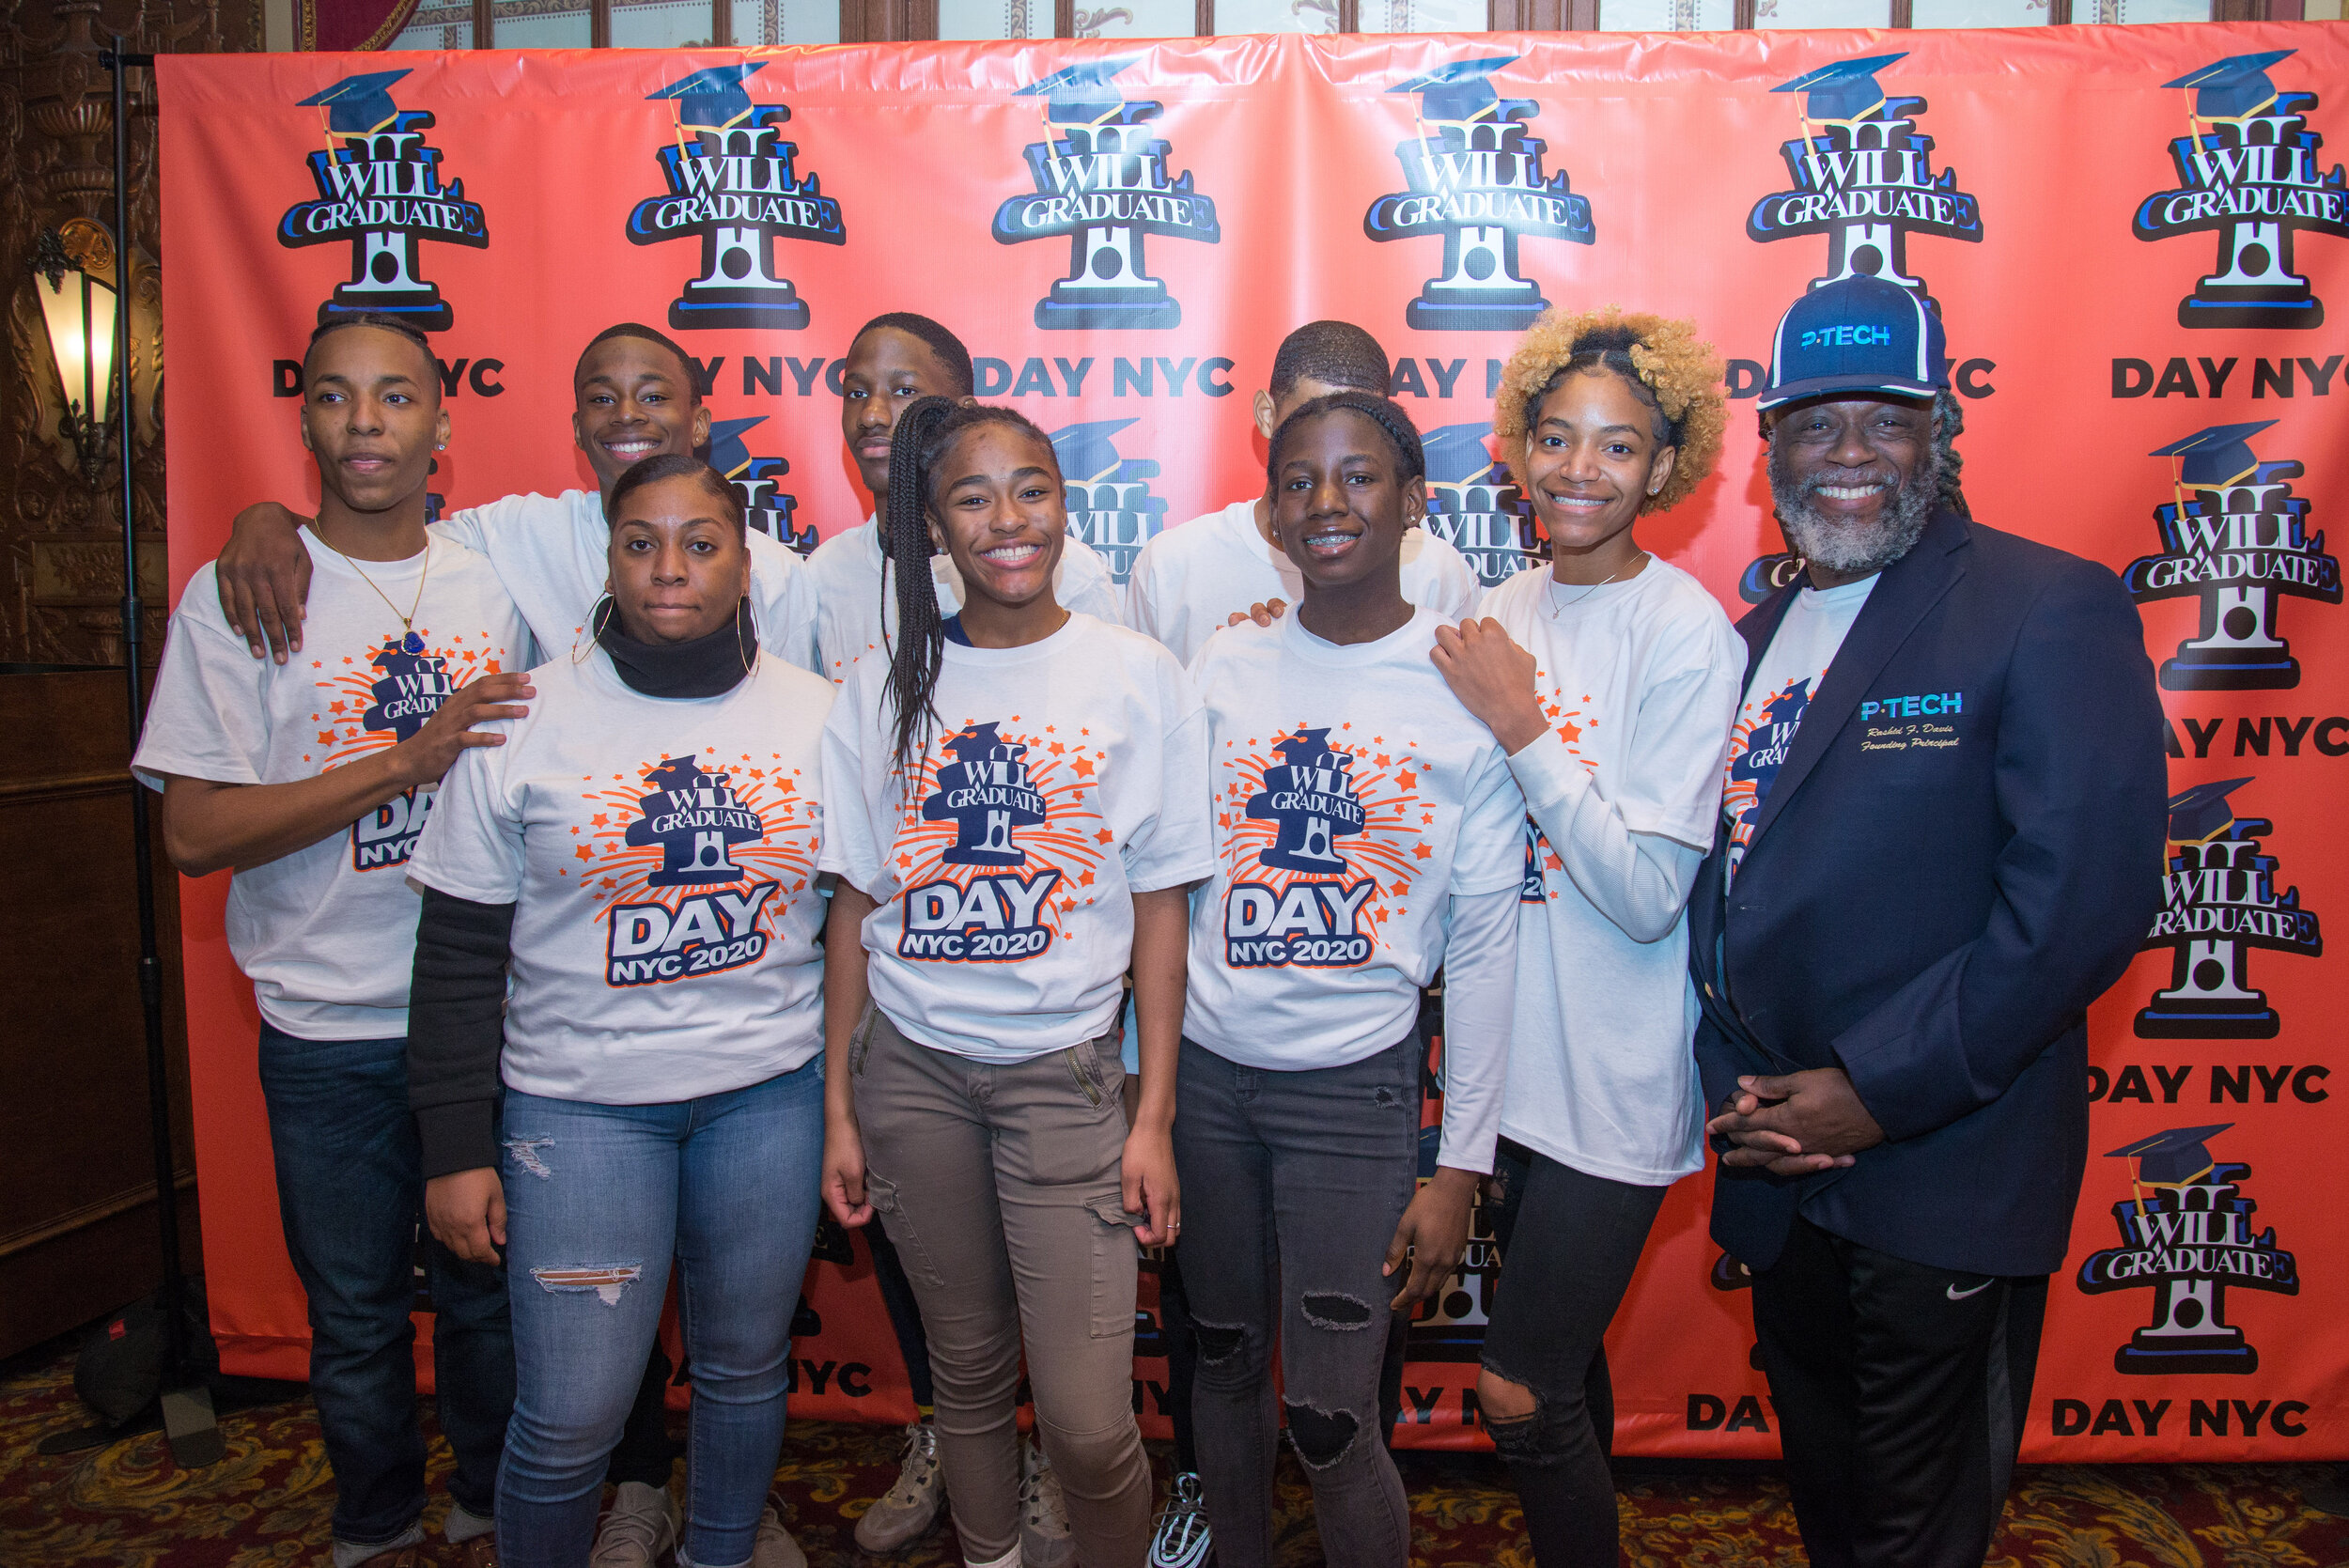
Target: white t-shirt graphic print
1785, 681
661, 856
1062, 776
1636, 679
327, 934
1353, 796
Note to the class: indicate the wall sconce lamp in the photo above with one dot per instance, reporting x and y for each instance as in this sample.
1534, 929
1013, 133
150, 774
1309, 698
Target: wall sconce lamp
73, 270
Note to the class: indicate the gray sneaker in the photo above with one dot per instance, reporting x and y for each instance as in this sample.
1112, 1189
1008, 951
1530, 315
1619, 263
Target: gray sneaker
640, 1529
772, 1547
905, 1513
1044, 1538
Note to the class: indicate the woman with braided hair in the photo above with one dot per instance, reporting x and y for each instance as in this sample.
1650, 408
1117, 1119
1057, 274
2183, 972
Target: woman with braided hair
1610, 680
1017, 806
1367, 832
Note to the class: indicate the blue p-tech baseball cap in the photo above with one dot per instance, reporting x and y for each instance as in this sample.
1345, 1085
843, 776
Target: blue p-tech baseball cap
1856, 335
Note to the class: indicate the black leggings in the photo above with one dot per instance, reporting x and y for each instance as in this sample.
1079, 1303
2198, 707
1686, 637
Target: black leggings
1548, 1334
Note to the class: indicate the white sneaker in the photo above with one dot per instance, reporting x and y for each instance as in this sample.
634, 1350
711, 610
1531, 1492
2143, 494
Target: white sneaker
640, 1529
772, 1548
1044, 1538
906, 1511
1181, 1538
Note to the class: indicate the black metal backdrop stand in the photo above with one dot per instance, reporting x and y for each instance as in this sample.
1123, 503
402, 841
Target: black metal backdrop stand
189, 1423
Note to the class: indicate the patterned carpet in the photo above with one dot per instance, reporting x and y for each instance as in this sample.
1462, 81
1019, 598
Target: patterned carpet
124, 1506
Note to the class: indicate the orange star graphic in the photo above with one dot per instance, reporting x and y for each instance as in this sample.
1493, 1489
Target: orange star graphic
1406, 780
1569, 733
586, 854
1085, 768
1086, 880
1104, 837
1422, 852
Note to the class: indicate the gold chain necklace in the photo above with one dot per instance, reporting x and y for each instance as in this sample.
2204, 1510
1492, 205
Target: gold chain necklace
411, 642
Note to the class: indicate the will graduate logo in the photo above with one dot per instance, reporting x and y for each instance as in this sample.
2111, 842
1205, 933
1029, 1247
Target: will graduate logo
759, 482
1109, 500
1101, 185
1003, 847
2220, 901
1320, 842
1474, 504
366, 704
379, 193
693, 863
1863, 177
2185, 1234
1475, 174
2247, 171
732, 185
2236, 537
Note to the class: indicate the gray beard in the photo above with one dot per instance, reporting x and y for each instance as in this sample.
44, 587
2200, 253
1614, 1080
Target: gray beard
1854, 550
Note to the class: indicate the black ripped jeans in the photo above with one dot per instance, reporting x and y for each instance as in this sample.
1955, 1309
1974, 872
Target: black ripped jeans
1293, 1183
1569, 1242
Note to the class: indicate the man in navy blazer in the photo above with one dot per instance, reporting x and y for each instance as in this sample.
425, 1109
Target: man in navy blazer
1942, 839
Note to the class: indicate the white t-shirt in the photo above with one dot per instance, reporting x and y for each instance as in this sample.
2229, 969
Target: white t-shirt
661, 854
849, 577
328, 934
1065, 776
1357, 804
1190, 579
552, 551
1638, 679
1785, 681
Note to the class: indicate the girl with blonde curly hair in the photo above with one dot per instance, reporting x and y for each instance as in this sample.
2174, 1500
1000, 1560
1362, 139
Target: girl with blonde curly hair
1610, 680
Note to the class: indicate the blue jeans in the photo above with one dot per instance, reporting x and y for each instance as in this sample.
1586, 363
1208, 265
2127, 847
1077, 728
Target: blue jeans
350, 1192
597, 1199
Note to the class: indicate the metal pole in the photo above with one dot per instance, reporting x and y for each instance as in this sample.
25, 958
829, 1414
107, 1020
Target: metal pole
188, 1421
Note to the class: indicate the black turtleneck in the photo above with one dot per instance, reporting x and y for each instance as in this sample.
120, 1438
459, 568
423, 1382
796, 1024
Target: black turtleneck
456, 995
706, 667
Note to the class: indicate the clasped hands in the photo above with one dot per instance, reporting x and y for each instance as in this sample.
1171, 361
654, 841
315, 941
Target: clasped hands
1793, 1125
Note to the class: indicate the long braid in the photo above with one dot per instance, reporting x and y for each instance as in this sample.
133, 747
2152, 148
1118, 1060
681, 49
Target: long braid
924, 433
921, 642
1949, 423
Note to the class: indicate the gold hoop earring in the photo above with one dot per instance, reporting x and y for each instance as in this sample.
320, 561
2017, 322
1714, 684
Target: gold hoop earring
605, 607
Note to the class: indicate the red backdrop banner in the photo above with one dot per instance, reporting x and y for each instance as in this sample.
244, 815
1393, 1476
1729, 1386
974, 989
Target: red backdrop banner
2133, 234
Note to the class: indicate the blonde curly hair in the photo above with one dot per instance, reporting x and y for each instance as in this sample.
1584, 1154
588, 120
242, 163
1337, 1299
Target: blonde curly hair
1672, 369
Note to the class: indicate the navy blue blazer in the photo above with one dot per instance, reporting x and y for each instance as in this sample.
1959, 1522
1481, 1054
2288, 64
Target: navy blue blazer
1961, 851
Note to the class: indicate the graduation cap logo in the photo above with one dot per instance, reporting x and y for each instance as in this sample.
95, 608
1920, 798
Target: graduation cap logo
2187, 1233
712, 99
1844, 90
2224, 898
1858, 176
1459, 92
1473, 506
381, 195
2170, 1158
757, 481
2234, 87
2249, 172
1082, 94
1476, 181
728, 453
2217, 456
736, 185
358, 104
2234, 537
2198, 814
1110, 505
1101, 183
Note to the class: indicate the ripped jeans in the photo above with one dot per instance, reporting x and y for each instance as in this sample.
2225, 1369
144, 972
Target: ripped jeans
597, 1199
1293, 1183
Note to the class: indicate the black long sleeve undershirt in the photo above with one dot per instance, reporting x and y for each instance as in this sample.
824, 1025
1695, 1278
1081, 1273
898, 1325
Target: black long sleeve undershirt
456, 1029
